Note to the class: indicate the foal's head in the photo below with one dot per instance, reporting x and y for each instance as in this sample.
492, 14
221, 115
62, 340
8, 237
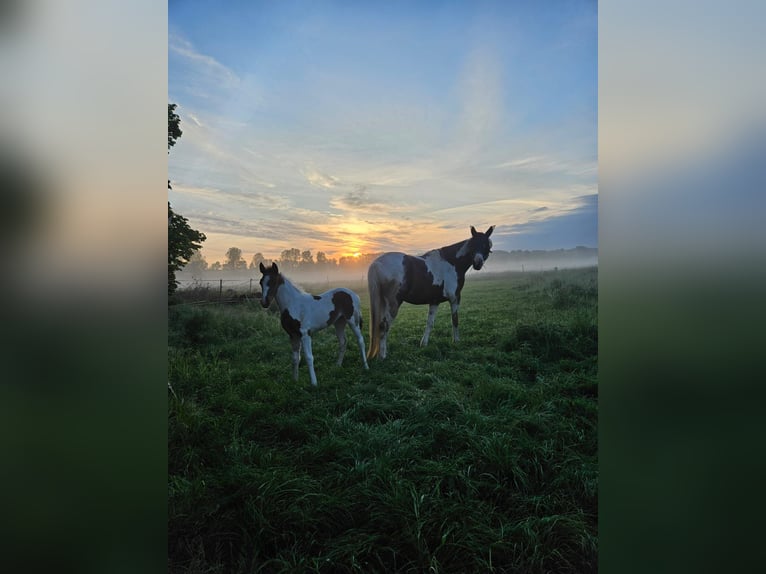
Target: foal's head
270, 282
480, 246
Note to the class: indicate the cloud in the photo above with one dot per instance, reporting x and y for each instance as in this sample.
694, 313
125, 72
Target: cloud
547, 164
201, 62
567, 229
319, 179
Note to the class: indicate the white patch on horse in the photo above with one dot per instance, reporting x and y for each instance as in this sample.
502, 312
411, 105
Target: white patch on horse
442, 271
463, 249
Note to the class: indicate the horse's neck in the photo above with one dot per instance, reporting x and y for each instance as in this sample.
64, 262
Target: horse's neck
452, 253
287, 293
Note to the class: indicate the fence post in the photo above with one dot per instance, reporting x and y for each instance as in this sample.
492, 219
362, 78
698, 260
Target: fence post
251, 286
220, 289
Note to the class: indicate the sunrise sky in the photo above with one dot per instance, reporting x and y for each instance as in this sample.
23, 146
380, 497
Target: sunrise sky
349, 127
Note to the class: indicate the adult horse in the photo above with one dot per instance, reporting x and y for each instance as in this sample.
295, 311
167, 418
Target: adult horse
303, 314
428, 279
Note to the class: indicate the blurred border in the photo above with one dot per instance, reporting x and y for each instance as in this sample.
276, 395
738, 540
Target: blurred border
682, 144
83, 179
682, 138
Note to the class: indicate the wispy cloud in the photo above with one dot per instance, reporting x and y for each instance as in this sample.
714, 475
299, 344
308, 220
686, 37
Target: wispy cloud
548, 164
319, 179
202, 62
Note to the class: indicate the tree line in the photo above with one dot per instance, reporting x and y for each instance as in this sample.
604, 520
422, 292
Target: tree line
292, 259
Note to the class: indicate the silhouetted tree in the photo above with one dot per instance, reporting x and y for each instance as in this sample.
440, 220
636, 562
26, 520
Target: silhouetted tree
234, 260
257, 259
174, 126
183, 241
290, 258
307, 258
197, 264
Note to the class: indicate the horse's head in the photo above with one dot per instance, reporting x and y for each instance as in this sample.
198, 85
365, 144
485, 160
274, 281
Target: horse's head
480, 246
269, 283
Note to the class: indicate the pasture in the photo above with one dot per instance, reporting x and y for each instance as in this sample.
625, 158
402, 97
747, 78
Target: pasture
479, 456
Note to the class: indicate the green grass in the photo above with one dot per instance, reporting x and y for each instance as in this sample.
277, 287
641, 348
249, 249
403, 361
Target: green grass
471, 457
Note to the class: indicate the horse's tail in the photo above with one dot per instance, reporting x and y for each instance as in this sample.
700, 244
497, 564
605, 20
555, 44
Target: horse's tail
376, 304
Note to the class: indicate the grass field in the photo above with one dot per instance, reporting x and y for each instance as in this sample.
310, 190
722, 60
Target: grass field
479, 456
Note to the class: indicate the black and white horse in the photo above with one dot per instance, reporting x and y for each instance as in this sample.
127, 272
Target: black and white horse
304, 314
428, 279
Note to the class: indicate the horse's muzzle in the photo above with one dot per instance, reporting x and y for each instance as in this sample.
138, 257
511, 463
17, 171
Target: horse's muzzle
478, 262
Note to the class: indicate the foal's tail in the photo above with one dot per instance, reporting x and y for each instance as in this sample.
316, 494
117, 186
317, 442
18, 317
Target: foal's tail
376, 305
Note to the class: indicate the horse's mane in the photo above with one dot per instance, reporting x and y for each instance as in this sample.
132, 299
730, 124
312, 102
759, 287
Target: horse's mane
295, 285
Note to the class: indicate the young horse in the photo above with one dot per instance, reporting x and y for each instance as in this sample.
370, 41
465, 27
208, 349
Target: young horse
428, 279
304, 314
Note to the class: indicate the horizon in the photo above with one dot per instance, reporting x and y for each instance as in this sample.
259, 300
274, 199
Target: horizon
350, 129
351, 261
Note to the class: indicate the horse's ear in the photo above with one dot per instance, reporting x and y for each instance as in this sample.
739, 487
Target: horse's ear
274, 267
489, 231
261, 267
474, 233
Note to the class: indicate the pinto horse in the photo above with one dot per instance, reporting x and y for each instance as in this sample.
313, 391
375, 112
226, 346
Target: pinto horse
304, 314
429, 279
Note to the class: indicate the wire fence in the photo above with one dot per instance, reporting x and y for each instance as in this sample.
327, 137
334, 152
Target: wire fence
207, 291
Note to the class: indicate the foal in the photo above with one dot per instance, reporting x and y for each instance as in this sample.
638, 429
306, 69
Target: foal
304, 314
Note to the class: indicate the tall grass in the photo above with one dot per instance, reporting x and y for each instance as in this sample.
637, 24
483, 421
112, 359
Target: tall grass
471, 457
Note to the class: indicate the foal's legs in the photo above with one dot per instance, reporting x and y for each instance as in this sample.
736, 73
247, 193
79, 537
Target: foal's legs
360, 340
306, 339
429, 323
296, 344
340, 331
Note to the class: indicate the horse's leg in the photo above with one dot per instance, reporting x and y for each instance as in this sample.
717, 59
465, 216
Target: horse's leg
306, 339
429, 323
360, 340
390, 311
455, 305
340, 331
296, 345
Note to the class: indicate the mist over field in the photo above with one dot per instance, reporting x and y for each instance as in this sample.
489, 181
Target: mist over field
355, 274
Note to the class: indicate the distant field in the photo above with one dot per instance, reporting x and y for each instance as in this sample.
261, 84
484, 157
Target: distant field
479, 456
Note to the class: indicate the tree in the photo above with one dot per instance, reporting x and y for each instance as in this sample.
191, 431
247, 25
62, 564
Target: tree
307, 258
174, 126
257, 259
290, 258
234, 259
183, 241
321, 258
197, 264
216, 266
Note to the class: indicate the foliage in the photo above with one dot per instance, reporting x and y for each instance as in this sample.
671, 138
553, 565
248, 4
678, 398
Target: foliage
479, 456
197, 264
174, 126
234, 259
257, 259
183, 241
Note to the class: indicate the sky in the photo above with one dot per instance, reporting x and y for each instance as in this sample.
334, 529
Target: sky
362, 127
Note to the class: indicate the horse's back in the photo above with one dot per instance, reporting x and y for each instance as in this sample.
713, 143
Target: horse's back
419, 280
343, 302
387, 268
